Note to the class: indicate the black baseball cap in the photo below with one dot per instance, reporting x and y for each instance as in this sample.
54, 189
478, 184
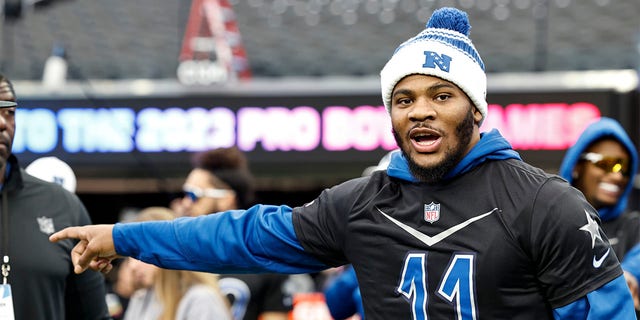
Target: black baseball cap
7, 104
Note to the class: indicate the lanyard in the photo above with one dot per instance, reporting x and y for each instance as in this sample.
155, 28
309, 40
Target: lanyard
5, 237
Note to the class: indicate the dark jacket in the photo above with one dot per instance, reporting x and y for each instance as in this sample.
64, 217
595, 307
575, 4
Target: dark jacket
42, 280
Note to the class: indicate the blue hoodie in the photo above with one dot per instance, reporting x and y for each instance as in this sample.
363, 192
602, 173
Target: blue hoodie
604, 127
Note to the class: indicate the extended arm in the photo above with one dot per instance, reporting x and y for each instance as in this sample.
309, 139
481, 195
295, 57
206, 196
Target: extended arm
260, 239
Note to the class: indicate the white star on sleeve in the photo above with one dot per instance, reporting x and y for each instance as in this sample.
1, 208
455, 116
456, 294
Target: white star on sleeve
592, 228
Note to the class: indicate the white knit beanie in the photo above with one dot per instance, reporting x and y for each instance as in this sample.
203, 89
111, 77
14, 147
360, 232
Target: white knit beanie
441, 50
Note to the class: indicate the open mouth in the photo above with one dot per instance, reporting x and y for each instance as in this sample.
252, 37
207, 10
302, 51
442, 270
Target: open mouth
425, 140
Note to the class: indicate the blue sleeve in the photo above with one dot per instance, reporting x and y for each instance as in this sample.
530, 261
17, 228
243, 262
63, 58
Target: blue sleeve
342, 295
631, 261
260, 239
611, 301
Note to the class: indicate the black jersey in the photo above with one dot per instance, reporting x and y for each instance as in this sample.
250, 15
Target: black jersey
503, 241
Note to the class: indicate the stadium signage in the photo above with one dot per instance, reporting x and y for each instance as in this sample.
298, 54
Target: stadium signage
532, 126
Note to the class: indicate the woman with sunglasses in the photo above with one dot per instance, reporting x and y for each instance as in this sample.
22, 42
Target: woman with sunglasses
219, 181
602, 164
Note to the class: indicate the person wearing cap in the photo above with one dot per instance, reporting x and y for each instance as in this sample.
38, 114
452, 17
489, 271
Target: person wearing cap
602, 164
52, 169
40, 275
457, 227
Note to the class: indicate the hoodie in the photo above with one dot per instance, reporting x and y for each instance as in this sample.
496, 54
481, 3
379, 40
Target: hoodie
604, 127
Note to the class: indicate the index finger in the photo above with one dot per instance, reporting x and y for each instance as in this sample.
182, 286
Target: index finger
66, 233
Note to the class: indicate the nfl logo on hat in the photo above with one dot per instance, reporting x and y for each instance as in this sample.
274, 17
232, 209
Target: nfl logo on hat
431, 212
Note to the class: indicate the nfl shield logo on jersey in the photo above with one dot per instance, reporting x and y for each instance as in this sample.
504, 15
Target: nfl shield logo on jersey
46, 225
431, 212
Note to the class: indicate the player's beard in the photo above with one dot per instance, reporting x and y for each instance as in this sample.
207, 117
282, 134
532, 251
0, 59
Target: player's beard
435, 173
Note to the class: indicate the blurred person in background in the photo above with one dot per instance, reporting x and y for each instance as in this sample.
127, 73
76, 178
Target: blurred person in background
52, 169
457, 227
602, 164
219, 181
120, 282
43, 284
173, 294
120, 287
343, 296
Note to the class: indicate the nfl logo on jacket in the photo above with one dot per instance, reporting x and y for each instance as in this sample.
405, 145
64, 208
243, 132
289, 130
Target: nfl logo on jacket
431, 212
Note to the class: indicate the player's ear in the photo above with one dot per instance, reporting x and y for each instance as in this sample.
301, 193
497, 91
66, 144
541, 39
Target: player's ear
477, 116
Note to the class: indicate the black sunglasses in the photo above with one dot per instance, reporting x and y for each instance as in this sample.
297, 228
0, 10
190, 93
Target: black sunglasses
608, 164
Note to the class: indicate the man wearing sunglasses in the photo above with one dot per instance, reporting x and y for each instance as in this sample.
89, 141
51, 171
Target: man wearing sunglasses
219, 181
602, 164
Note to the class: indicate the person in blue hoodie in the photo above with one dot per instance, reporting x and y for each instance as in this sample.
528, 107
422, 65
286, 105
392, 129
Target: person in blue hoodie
457, 227
342, 295
602, 164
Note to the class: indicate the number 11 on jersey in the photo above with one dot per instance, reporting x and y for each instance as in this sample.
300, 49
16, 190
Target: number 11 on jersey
457, 285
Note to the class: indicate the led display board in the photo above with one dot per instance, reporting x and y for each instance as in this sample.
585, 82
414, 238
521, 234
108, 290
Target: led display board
330, 136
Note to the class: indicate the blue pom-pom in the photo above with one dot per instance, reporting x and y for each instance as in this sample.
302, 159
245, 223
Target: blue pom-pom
450, 18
